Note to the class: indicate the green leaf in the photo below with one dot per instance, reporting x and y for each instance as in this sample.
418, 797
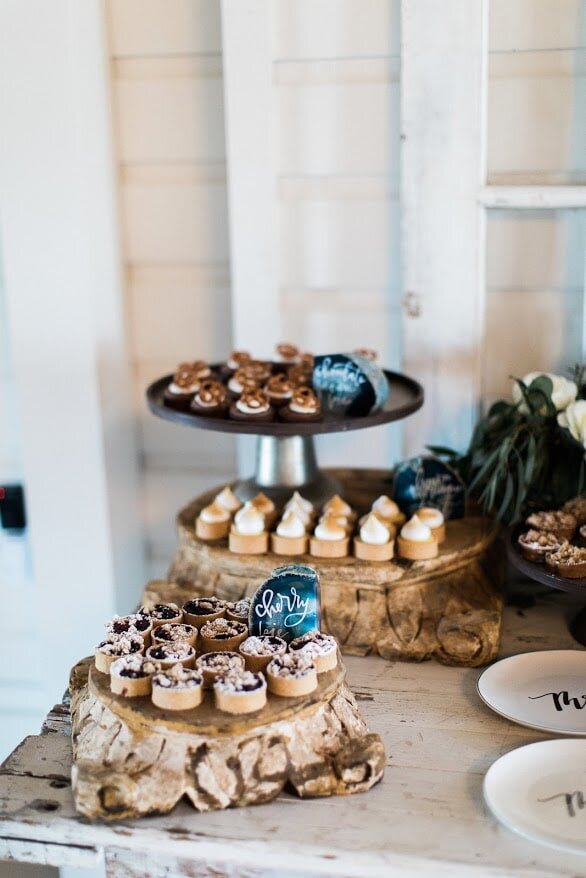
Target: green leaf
489, 461
507, 497
498, 408
442, 451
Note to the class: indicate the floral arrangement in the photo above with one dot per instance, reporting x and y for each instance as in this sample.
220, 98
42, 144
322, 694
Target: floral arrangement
528, 452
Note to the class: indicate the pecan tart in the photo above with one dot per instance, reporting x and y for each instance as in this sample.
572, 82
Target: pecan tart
558, 522
534, 545
567, 561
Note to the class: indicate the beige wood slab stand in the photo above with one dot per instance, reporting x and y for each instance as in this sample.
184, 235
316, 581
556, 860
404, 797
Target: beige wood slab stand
132, 759
449, 608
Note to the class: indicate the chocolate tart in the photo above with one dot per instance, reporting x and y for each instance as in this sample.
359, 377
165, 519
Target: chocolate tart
258, 408
161, 613
322, 649
534, 545
115, 646
198, 611
131, 675
279, 390
170, 632
304, 407
216, 664
169, 654
178, 688
240, 692
222, 635
259, 651
291, 675
568, 561
211, 400
235, 361
287, 354
184, 385
557, 522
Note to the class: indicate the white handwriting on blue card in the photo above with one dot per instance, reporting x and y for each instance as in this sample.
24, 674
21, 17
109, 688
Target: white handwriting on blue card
294, 607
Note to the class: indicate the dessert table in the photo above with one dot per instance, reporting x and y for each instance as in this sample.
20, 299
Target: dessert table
426, 816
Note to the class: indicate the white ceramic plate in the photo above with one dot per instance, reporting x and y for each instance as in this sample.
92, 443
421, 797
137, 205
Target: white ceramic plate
539, 791
543, 690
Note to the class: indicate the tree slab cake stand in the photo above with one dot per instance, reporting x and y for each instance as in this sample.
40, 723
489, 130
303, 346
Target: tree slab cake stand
449, 608
133, 759
285, 452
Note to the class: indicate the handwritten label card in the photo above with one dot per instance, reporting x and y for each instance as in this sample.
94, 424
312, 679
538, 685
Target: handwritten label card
287, 604
349, 384
428, 481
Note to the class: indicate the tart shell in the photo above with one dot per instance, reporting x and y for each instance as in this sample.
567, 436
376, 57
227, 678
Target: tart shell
289, 545
370, 552
417, 550
329, 548
248, 544
211, 530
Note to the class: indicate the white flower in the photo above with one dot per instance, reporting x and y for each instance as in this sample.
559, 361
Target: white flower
563, 392
574, 420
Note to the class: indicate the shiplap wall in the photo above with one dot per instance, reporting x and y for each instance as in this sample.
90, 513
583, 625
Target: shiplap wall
335, 76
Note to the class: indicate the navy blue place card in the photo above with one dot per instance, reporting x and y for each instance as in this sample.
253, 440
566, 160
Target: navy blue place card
349, 384
428, 481
287, 604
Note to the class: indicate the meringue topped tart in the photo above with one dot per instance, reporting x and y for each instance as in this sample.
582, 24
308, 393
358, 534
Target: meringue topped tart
248, 534
336, 506
388, 510
290, 538
300, 509
330, 538
264, 505
228, 499
416, 541
374, 542
435, 521
213, 522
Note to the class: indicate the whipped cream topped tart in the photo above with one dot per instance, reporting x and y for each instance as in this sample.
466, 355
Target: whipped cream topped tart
558, 522
374, 542
322, 649
416, 541
169, 654
291, 675
216, 664
303, 406
330, 538
114, 646
213, 522
131, 675
198, 611
279, 389
435, 521
248, 534
290, 537
222, 635
577, 508
534, 545
240, 692
238, 611
185, 384
210, 400
258, 651
253, 405
161, 613
135, 622
388, 510
177, 688
172, 631
567, 561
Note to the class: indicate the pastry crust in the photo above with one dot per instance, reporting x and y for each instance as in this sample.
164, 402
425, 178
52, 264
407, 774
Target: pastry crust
132, 686
169, 654
417, 550
222, 635
329, 548
214, 609
104, 660
173, 631
291, 675
569, 562
216, 664
257, 660
322, 649
438, 532
166, 613
174, 696
248, 544
289, 545
211, 530
239, 611
371, 552
562, 524
534, 545
231, 699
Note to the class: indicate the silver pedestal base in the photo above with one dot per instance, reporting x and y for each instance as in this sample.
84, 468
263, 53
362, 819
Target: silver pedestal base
285, 464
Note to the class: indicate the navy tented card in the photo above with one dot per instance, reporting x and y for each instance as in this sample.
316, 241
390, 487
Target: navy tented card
428, 481
349, 384
287, 603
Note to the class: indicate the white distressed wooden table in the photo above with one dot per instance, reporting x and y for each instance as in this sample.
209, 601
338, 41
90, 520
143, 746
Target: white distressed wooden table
426, 817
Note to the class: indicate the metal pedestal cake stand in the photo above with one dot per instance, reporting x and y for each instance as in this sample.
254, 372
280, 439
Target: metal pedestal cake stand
285, 452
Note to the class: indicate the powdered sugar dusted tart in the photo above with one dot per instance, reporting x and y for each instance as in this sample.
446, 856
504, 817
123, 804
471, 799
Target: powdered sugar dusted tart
161, 613
131, 675
172, 631
322, 649
239, 610
169, 654
534, 545
558, 522
568, 561
222, 635
240, 692
258, 651
178, 688
216, 664
134, 622
291, 675
114, 646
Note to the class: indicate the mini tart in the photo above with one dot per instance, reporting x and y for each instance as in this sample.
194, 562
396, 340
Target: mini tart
169, 654
287, 353
236, 360
434, 519
300, 375
534, 545
291, 675
303, 407
373, 552
240, 692
387, 510
135, 622
374, 542
248, 534
216, 664
131, 675
252, 406
577, 508
161, 613
322, 649
241, 381
228, 500
290, 546
213, 522
563, 524
259, 651
115, 646
337, 506
265, 506
222, 635
178, 688
171, 632
568, 561
198, 611
582, 536
210, 400
239, 611
279, 389
416, 541
183, 387
329, 540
